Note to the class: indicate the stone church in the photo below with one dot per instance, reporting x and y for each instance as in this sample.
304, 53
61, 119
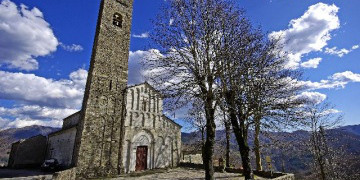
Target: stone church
119, 129
151, 140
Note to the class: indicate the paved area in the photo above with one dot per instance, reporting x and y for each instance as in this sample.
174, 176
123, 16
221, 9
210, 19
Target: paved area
183, 174
20, 174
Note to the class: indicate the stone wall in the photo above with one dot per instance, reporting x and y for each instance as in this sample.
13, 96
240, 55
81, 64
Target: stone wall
286, 177
61, 146
29, 152
192, 158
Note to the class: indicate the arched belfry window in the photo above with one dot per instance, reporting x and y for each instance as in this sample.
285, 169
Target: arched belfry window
117, 20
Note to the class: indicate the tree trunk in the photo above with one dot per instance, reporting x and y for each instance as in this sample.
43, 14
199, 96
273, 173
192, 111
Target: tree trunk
257, 144
208, 150
227, 155
239, 131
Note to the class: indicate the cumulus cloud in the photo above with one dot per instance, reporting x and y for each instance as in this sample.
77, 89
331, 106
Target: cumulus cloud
309, 33
36, 112
313, 97
137, 73
311, 63
33, 115
340, 52
337, 80
72, 48
25, 35
4, 123
143, 35
330, 111
346, 76
40, 101
20, 123
32, 89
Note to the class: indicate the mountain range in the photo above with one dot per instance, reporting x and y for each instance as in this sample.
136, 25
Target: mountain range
288, 150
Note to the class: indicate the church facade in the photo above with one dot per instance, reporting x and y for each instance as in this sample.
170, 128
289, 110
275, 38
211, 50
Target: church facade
151, 140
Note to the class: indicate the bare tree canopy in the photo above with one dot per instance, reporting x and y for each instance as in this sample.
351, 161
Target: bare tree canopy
209, 51
190, 35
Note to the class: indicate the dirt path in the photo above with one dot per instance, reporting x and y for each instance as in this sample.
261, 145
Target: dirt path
183, 174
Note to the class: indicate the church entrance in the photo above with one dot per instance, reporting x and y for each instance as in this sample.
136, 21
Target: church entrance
141, 158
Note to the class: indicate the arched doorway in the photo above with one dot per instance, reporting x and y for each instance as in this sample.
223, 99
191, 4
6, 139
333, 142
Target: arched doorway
141, 152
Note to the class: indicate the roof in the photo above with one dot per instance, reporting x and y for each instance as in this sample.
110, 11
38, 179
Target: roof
148, 85
172, 121
60, 131
72, 115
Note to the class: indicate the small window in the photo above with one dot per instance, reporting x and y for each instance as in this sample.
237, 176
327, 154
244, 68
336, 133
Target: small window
117, 20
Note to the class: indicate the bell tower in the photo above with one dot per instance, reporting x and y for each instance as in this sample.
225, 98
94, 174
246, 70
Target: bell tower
97, 151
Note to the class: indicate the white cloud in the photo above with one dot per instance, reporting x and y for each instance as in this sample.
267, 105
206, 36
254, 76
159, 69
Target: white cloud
346, 76
40, 101
340, 52
33, 115
330, 111
136, 71
4, 123
36, 112
143, 35
337, 80
20, 123
171, 21
72, 48
309, 33
25, 35
311, 63
32, 89
313, 97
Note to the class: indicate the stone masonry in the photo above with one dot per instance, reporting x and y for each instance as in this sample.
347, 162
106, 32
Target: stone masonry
98, 146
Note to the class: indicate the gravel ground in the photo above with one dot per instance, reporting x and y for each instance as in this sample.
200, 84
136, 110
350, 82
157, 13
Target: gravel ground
171, 174
183, 174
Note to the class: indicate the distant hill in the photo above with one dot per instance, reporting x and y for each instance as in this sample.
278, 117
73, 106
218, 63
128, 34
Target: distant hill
291, 151
9, 136
354, 129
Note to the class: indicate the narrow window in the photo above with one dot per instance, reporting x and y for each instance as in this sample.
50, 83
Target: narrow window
143, 120
132, 99
154, 121
131, 119
117, 20
157, 104
144, 104
138, 99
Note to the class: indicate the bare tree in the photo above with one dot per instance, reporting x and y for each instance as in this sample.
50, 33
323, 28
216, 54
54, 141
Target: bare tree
274, 103
320, 118
196, 118
254, 82
227, 125
189, 36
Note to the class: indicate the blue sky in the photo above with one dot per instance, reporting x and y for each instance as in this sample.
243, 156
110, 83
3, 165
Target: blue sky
45, 51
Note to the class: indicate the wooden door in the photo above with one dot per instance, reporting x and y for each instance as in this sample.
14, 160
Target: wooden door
141, 158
